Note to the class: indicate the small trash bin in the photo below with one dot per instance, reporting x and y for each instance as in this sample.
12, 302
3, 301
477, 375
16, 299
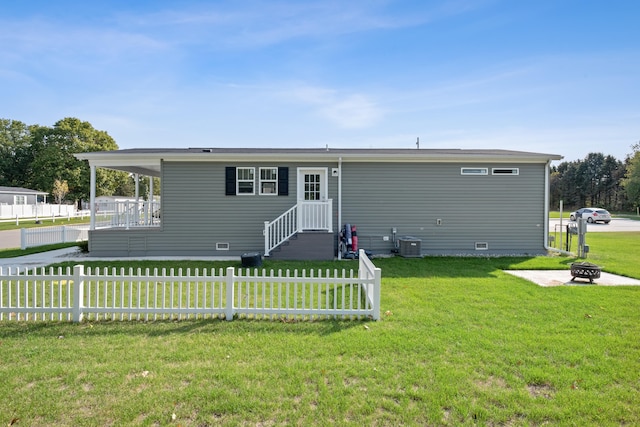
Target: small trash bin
251, 259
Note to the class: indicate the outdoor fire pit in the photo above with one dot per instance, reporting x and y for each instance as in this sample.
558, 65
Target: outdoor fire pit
585, 270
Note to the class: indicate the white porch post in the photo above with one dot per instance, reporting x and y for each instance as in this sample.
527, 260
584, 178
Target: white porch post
92, 198
149, 211
136, 179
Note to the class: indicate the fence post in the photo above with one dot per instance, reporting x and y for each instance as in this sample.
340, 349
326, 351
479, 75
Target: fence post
230, 279
64, 234
377, 284
23, 238
78, 293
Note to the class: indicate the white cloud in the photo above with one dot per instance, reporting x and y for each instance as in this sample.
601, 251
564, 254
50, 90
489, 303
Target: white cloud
345, 110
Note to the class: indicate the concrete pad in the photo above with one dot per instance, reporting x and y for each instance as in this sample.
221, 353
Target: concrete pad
548, 278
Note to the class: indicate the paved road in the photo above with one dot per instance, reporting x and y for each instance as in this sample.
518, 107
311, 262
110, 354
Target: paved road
9, 239
616, 224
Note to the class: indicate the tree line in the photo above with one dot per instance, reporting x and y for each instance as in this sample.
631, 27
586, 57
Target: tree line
42, 158
598, 181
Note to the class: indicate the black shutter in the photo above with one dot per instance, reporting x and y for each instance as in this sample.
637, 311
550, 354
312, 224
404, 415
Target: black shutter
283, 181
230, 181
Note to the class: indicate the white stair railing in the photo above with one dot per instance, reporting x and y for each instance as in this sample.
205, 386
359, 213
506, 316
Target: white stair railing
280, 229
303, 216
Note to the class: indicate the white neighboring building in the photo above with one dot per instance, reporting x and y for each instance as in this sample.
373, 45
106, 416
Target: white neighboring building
17, 202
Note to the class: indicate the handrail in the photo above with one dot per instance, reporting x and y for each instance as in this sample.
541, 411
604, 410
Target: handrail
280, 229
303, 216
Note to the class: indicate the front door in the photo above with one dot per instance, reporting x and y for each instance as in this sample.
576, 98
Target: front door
312, 184
314, 210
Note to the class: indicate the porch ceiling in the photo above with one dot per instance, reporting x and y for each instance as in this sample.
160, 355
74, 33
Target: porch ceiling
140, 163
146, 170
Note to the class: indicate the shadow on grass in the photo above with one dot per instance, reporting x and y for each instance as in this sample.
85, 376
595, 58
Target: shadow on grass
391, 267
55, 329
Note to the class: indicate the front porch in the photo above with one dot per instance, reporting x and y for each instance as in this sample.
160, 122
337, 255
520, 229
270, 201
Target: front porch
311, 221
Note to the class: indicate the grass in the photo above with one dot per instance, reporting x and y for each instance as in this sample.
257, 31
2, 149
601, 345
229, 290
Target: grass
616, 253
13, 253
43, 222
460, 343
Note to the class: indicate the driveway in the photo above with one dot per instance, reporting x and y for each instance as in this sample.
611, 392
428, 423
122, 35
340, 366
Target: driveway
616, 224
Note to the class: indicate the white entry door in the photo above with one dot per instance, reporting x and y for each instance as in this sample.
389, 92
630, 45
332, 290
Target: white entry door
314, 209
312, 184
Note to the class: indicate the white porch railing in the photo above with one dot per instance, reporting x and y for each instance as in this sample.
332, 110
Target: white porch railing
303, 216
127, 214
73, 294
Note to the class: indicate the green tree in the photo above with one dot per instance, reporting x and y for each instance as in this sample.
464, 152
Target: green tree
60, 190
631, 181
14, 143
53, 152
144, 187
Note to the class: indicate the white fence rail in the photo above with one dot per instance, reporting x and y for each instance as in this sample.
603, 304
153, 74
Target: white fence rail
36, 211
76, 294
41, 236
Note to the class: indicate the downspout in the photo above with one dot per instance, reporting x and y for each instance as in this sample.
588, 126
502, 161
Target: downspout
547, 170
339, 204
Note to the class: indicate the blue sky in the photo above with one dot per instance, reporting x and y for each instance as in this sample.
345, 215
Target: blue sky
552, 76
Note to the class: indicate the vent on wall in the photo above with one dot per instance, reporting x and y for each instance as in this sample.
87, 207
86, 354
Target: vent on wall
482, 246
222, 246
505, 171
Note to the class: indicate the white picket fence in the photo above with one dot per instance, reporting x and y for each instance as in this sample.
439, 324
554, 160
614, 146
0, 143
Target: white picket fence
41, 236
33, 211
75, 294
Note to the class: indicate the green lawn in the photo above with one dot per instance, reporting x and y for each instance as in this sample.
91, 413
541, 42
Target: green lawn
460, 343
13, 253
43, 222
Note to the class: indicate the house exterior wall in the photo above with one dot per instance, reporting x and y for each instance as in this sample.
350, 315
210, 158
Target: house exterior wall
504, 211
197, 215
9, 199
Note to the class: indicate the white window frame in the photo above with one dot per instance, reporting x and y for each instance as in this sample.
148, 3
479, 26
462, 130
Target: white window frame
20, 199
512, 171
273, 180
474, 171
245, 180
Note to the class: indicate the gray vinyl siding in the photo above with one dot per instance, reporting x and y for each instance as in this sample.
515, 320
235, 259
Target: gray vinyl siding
507, 212
196, 214
9, 199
